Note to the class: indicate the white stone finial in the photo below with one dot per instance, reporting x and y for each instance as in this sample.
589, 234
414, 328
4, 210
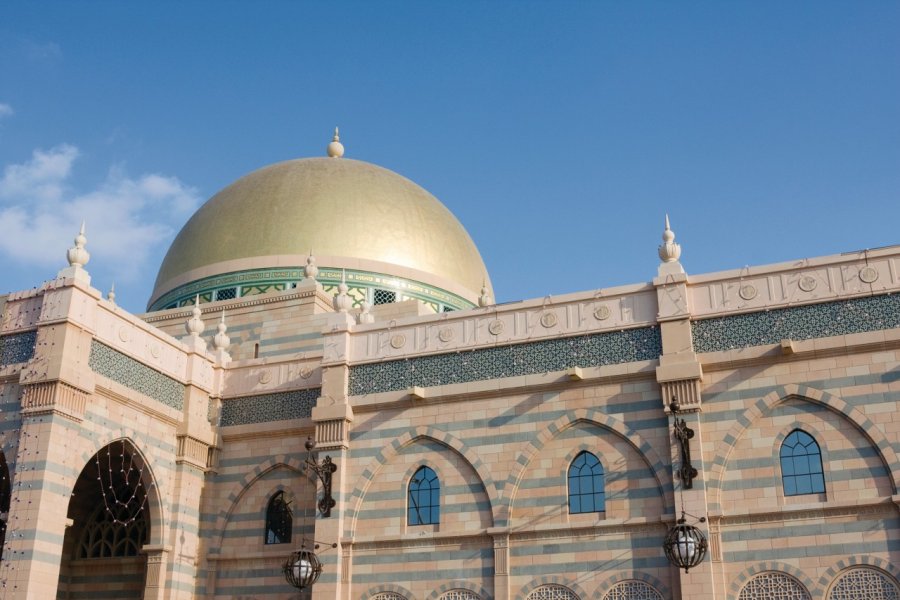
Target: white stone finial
195, 324
311, 269
221, 341
366, 316
111, 295
342, 300
485, 298
77, 255
669, 251
336, 148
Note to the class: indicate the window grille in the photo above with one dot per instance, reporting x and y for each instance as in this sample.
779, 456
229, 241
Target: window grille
586, 493
552, 592
774, 586
279, 520
864, 584
384, 297
460, 595
424, 498
103, 537
226, 294
633, 590
801, 465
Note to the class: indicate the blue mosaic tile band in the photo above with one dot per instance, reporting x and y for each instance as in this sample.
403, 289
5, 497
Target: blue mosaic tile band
593, 350
797, 323
17, 348
136, 376
296, 404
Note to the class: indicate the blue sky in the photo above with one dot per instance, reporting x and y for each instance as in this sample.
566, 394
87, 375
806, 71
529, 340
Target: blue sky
559, 133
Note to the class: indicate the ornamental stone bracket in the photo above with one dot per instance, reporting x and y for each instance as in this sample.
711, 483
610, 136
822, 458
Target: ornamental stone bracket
54, 397
192, 451
332, 426
686, 391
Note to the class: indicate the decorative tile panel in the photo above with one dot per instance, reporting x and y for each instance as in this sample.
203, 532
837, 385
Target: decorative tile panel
593, 350
797, 323
460, 595
135, 375
17, 348
296, 404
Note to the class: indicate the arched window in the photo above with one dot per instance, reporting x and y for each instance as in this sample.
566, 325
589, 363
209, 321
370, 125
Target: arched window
801, 465
552, 592
279, 520
633, 590
586, 493
863, 582
424, 498
774, 586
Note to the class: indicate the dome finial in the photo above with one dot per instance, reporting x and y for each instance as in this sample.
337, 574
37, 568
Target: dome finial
669, 251
336, 148
342, 300
311, 269
111, 295
77, 255
221, 341
365, 315
485, 298
195, 324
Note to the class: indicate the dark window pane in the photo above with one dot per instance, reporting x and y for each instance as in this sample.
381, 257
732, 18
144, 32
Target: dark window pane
423, 498
585, 484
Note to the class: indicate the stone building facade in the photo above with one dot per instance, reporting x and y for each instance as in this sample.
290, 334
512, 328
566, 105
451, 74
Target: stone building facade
522, 451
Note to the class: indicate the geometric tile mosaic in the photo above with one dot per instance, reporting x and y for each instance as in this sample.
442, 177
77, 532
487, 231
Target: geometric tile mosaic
17, 348
136, 376
460, 595
774, 586
797, 323
593, 350
864, 583
633, 590
296, 404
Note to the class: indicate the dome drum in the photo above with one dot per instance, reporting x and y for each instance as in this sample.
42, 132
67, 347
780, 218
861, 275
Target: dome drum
375, 288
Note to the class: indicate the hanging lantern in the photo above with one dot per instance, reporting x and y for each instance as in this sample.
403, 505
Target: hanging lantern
302, 568
685, 545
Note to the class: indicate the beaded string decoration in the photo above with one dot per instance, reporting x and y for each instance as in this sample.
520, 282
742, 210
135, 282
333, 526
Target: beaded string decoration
123, 490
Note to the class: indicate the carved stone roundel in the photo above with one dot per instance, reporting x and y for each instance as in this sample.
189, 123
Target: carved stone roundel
305, 372
601, 313
398, 340
748, 292
549, 319
807, 283
496, 327
265, 376
445, 334
868, 275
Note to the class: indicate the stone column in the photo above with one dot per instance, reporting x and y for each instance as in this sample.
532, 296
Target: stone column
501, 562
157, 559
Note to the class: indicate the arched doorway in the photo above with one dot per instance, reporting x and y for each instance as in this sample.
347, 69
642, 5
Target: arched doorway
110, 523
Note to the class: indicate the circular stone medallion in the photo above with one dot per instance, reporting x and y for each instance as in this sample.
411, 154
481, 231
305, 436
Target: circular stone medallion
264, 376
496, 327
445, 334
748, 292
123, 334
549, 320
154, 350
305, 372
868, 275
807, 283
398, 340
601, 313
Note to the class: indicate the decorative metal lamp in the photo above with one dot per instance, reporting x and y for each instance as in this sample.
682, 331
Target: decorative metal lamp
323, 471
685, 545
302, 568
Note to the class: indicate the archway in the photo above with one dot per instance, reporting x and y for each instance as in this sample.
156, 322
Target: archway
110, 523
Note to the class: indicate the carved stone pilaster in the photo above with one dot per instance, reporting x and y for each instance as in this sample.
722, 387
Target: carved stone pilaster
154, 588
54, 397
346, 562
501, 555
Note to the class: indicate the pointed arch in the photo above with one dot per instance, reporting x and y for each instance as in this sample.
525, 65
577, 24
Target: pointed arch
661, 473
829, 577
386, 454
772, 566
551, 581
240, 488
604, 588
780, 394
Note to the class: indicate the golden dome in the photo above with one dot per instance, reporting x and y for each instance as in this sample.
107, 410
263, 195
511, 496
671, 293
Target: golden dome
349, 213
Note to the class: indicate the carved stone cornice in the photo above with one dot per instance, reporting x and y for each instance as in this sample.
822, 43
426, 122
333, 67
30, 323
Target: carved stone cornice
54, 397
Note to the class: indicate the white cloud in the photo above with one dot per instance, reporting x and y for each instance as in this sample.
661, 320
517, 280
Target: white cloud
127, 218
6, 110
